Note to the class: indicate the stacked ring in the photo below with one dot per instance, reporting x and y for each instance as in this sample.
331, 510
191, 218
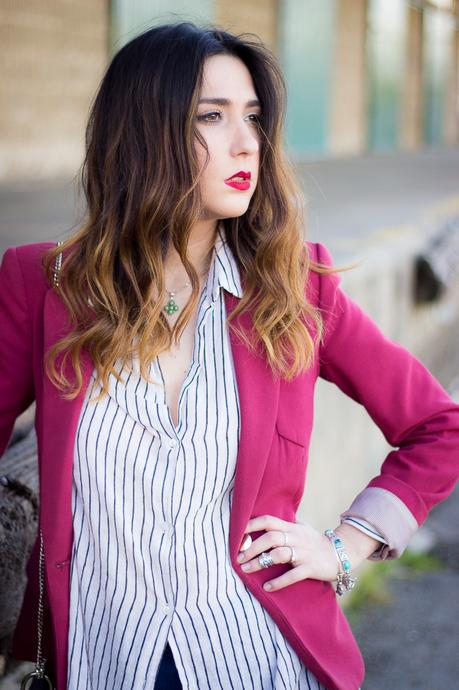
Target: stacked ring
265, 560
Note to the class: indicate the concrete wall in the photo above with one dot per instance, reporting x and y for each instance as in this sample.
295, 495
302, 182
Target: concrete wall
53, 54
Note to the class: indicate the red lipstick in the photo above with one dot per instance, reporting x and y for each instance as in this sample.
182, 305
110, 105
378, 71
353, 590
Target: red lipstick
240, 180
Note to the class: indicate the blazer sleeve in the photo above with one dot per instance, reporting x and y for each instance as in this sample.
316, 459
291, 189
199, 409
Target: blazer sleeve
414, 412
16, 369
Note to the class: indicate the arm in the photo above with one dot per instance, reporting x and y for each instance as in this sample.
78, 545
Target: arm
415, 414
16, 373
417, 418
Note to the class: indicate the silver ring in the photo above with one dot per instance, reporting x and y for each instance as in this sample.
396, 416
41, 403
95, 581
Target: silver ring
285, 538
265, 560
293, 557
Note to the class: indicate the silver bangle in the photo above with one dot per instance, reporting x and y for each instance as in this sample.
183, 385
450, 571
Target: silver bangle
345, 582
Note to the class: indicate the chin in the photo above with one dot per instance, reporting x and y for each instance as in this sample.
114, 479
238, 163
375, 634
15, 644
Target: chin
233, 210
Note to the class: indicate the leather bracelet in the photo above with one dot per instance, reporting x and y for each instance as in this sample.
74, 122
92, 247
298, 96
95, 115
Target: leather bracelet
345, 582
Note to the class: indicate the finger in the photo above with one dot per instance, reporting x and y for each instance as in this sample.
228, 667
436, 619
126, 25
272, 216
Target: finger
268, 540
265, 522
280, 555
288, 578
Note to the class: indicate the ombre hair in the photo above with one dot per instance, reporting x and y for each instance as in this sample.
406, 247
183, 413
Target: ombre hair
140, 177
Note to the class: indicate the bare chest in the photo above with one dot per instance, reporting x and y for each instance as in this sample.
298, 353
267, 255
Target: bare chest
175, 364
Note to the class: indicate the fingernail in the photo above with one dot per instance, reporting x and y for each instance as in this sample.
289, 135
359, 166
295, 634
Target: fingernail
240, 558
267, 586
245, 566
246, 542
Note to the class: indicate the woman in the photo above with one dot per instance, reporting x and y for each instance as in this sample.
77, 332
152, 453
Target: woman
169, 445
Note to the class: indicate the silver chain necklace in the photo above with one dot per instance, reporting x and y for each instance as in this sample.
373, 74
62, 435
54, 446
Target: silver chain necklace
171, 307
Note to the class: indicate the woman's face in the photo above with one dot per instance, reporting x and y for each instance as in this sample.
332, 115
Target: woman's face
228, 124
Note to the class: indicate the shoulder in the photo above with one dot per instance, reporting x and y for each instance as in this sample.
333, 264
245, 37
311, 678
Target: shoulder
320, 286
319, 253
30, 254
23, 264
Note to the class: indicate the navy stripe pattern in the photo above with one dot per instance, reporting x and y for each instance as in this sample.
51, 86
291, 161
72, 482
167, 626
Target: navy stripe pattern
151, 505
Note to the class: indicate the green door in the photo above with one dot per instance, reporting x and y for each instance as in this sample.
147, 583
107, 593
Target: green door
306, 53
438, 39
386, 45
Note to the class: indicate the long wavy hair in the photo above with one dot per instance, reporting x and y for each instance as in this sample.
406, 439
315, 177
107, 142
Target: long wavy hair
140, 177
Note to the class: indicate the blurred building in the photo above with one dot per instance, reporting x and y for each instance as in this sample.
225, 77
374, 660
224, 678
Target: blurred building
362, 75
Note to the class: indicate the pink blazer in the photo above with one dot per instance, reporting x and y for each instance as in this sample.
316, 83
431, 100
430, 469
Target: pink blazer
414, 412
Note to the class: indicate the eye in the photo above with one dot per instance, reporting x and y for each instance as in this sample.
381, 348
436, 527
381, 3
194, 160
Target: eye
205, 117
256, 118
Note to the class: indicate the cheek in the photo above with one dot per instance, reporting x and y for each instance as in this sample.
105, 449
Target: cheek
208, 182
200, 155
211, 170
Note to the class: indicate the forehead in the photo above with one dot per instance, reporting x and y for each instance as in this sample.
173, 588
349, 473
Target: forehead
227, 76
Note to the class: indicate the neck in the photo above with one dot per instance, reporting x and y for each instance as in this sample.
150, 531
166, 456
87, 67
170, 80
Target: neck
200, 244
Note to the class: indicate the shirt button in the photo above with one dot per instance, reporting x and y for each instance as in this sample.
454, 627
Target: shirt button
164, 527
172, 443
167, 609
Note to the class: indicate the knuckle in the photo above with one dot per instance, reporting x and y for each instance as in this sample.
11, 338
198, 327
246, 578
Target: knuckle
282, 556
303, 571
286, 552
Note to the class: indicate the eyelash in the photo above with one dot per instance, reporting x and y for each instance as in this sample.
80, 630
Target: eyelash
202, 118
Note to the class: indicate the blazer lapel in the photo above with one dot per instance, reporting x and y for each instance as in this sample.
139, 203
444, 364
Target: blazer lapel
258, 392
57, 427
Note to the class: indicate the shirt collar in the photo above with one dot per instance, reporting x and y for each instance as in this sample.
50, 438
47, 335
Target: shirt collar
224, 271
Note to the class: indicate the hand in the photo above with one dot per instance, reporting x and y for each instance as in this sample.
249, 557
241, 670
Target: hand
315, 555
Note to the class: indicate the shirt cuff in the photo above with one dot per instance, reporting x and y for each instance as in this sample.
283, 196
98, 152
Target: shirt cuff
386, 517
365, 526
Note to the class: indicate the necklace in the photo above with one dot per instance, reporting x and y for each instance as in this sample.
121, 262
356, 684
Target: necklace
171, 307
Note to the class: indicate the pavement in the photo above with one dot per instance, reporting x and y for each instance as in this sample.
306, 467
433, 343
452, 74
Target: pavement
412, 642
364, 199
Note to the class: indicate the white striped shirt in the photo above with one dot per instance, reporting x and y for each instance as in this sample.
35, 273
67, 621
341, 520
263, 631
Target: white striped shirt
151, 505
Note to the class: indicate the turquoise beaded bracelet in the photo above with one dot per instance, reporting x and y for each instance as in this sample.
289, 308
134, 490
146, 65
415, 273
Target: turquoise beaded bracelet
344, 580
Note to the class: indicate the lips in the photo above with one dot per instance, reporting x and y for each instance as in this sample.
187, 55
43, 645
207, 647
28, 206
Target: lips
241, 174
240, 180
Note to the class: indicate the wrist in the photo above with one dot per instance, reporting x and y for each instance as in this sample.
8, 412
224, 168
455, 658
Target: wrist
359, 545
345, 581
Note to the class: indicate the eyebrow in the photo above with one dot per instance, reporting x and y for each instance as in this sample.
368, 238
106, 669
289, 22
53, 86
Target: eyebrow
226, 101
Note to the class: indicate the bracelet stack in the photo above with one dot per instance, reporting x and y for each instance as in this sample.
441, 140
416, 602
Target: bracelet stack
344, 581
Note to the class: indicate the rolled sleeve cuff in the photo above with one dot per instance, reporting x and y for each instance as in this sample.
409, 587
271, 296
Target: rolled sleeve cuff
365, 527
390, 518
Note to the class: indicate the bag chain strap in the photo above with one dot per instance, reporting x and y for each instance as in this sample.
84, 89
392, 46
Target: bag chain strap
40, 665
57, 265
39, 673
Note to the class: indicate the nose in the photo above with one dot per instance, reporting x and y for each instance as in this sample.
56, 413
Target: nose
244, 139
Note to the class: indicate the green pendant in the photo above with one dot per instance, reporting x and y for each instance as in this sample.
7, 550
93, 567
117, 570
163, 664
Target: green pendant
171, 306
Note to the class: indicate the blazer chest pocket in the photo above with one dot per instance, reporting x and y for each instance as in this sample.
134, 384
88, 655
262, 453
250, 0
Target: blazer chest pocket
287, 464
